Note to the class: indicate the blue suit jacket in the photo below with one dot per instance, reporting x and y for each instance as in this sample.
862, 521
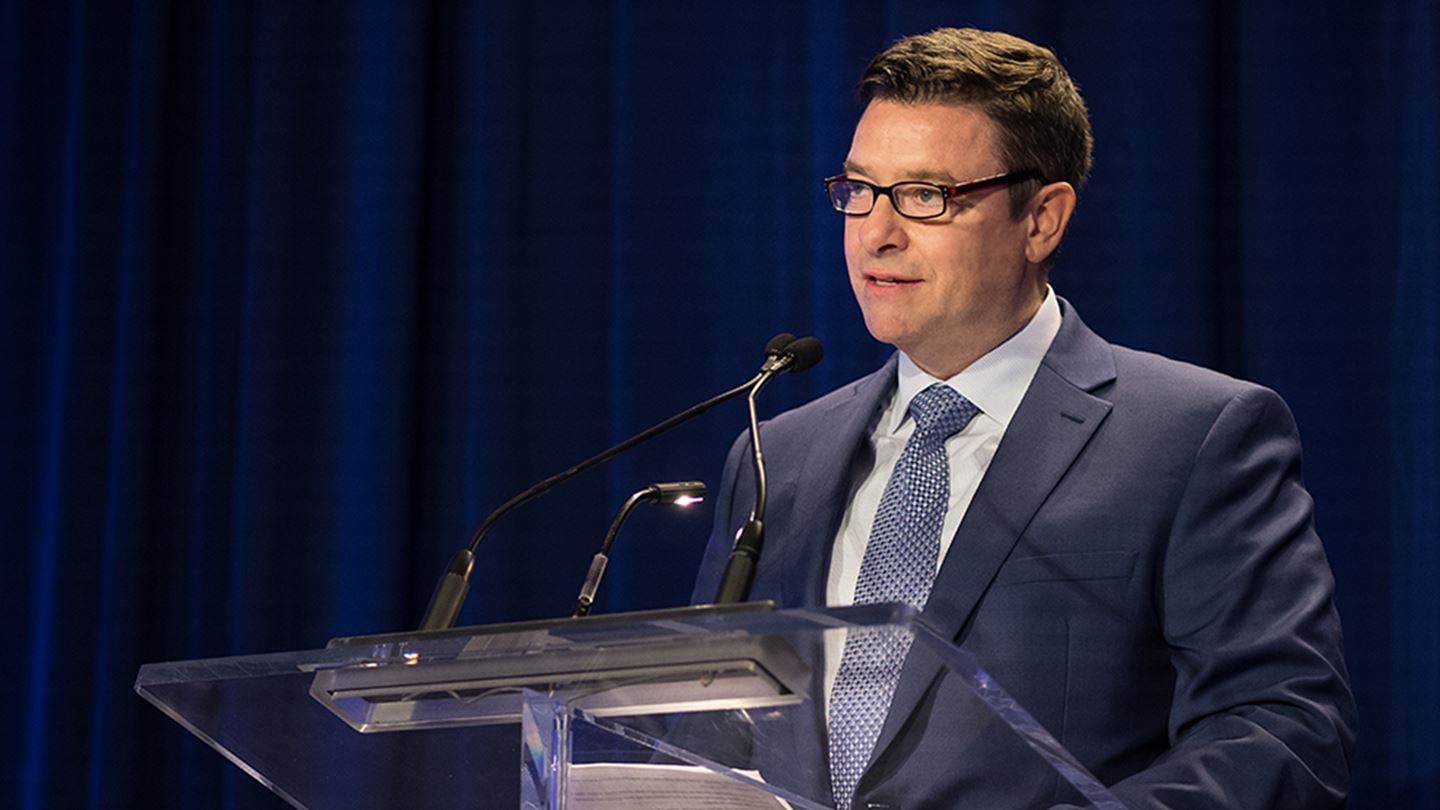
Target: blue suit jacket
1138, 567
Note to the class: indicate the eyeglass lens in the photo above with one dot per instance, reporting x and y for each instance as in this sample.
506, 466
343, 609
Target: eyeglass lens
910, 199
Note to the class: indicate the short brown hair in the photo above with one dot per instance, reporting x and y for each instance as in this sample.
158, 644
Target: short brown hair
1040, 119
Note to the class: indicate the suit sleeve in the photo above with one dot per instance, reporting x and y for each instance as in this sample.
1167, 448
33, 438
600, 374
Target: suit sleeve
1262, 714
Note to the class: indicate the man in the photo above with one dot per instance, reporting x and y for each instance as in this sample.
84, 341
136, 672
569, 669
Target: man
1122, 540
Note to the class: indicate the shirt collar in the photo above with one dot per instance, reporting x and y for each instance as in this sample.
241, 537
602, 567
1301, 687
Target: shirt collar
998, 380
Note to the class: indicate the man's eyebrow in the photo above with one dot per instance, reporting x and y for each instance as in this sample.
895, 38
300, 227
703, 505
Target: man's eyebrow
928, 175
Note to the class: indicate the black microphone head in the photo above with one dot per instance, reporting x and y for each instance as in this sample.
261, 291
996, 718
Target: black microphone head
804, 354
778, 343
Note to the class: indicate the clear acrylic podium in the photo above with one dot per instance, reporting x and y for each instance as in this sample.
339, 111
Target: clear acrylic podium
693, 707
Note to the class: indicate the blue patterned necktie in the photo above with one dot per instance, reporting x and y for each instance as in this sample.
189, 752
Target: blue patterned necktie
899, 566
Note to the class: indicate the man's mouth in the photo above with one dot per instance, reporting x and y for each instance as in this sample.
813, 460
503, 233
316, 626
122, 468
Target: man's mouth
890, 282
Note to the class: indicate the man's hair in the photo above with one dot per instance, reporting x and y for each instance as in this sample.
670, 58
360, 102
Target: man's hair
1040, 120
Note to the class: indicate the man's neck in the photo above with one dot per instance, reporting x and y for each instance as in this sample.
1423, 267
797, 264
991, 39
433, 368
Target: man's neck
951, 357
997, 381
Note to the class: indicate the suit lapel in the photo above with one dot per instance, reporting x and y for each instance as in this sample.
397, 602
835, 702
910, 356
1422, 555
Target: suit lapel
821, 483
1054, 422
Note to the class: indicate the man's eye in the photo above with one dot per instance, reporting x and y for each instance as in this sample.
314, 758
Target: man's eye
922, 195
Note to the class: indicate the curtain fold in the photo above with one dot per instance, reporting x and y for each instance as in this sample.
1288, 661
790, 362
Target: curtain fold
1414, 363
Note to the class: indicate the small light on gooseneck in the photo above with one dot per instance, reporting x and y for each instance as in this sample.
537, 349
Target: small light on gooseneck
676, 493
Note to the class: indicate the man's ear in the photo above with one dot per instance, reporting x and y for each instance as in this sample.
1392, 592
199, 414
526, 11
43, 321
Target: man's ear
1047, 216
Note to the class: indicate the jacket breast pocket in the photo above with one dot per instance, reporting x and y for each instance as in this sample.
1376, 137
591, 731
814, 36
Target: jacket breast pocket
1067, 567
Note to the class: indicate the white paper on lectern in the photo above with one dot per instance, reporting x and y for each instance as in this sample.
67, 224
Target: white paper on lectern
643, 786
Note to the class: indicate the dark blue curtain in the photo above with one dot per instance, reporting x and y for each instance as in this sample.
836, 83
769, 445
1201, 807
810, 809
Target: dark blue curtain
294, 293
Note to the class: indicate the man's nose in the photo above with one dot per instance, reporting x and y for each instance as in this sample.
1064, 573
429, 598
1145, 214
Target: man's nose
882, 230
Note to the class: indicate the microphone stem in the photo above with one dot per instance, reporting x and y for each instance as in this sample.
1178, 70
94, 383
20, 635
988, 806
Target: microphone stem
599, 458
450, 592
602, 557
757, 512
740, 569
620, 516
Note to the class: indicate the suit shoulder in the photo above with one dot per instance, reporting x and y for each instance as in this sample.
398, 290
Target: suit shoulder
822, 409
1160, 376
1173, 389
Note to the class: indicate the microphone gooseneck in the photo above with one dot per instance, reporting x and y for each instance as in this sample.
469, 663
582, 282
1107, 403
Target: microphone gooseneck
784, 353
453, 586
797, 356
679, 493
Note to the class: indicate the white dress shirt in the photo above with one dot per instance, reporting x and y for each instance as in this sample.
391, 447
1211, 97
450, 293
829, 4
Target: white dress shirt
995, 384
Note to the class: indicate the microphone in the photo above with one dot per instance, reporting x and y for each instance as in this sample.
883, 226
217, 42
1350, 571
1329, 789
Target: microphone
679, 493
775, 350
454, 584
778, 343
796, 356
804, 353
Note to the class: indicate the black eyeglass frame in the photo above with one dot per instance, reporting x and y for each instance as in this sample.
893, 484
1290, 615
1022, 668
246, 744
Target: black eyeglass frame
948, 192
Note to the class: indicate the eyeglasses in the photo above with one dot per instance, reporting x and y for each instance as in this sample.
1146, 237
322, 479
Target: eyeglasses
915, 199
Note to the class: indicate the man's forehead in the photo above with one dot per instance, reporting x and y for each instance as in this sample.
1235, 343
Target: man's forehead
930, 141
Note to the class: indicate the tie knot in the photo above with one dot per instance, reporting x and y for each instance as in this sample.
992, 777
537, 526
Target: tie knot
940, 412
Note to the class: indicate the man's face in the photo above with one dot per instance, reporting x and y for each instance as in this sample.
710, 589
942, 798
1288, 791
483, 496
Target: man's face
944, 290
